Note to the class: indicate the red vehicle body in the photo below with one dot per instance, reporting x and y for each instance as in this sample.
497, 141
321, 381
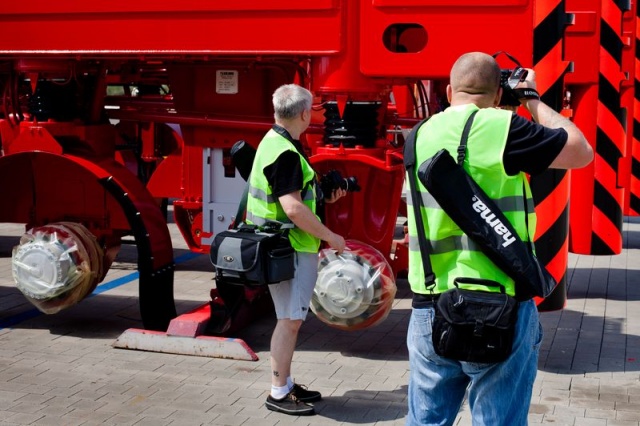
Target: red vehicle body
110, 108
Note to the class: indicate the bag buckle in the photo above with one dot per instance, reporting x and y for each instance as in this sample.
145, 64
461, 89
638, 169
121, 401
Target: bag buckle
478, 329
459, 302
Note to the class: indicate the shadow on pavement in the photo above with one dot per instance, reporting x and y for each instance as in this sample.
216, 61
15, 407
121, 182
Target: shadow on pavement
365, 406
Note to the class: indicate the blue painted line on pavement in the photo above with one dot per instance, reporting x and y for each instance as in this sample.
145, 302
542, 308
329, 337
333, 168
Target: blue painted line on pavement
110, 285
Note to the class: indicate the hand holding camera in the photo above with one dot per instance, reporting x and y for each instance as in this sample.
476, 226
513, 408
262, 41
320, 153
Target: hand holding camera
518, 84
335, 196
334, 186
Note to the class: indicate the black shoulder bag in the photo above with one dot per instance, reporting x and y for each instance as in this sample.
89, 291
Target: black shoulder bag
251, 255
469, 325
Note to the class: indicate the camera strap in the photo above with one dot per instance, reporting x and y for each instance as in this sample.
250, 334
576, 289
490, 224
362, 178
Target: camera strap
518, 73
526, 93
513, 59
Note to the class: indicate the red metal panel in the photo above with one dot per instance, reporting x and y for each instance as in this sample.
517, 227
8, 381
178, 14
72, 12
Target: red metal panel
452, 28
368, 216
585, 31
65, 7
167, 26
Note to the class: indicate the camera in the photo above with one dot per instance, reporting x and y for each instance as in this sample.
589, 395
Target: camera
334, 180
509, 79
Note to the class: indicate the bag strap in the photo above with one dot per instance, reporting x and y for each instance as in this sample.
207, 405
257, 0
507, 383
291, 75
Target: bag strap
462, 152
526, 217
462, 148
461, 156
409, 155
409, 164
242, 208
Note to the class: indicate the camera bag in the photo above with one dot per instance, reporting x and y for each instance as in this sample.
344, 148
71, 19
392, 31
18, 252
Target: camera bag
474, 325
252, 257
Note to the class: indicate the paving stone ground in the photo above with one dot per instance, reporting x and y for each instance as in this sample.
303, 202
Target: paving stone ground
63, 370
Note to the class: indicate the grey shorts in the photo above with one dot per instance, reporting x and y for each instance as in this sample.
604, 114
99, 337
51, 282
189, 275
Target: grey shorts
291, 298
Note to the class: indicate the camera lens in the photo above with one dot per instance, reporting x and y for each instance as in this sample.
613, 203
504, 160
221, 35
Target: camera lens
350, 184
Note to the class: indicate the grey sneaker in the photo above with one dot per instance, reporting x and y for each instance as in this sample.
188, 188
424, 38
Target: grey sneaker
305, 395
290, 404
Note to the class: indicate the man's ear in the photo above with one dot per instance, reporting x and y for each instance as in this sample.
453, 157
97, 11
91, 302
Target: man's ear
449, 92
496, 102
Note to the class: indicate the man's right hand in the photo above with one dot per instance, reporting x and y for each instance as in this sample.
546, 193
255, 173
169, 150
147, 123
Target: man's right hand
529, 82
336, 242
303, 218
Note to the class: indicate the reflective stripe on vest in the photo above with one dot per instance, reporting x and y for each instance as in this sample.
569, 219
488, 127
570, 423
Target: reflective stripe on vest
263, 206
452, 253
269, 198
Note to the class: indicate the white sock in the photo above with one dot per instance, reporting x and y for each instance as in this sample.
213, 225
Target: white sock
279, 392
290, 382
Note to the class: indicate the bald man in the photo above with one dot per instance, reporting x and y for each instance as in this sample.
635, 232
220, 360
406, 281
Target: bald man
502, 149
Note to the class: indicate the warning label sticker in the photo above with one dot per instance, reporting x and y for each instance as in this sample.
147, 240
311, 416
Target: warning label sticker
227, 82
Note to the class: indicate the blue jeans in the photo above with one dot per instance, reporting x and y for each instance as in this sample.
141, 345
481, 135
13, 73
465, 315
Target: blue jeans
498, 394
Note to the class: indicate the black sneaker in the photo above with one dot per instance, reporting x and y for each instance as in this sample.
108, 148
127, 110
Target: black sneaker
305, 395
289, 405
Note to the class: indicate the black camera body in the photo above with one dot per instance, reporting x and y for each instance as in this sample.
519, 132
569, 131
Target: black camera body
334, 180
509, 79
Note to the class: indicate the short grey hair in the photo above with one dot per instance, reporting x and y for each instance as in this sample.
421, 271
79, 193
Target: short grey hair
289, 100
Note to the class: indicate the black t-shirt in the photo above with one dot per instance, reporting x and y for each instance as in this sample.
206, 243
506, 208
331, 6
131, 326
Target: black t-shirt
531, 148
285, 174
